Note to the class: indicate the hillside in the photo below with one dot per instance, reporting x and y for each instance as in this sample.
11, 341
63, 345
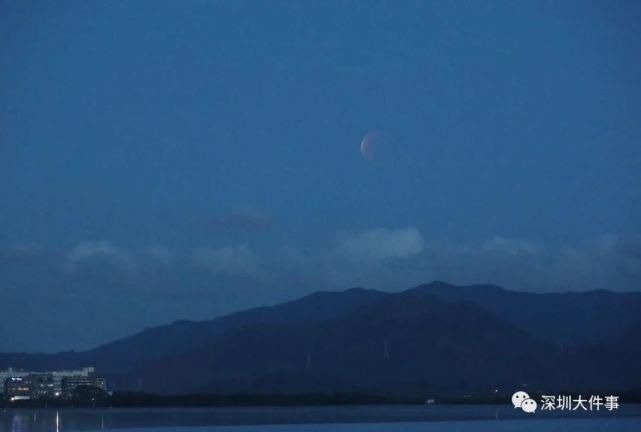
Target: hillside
434, 339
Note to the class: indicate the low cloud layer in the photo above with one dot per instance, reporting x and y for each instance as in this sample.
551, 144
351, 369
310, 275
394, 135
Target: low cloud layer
382, 243
126, 289
90, 250
390, 258
510, 246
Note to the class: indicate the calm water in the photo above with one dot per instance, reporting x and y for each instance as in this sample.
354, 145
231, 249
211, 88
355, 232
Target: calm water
317, 419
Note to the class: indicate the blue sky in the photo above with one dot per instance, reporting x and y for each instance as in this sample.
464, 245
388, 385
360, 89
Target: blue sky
165, 160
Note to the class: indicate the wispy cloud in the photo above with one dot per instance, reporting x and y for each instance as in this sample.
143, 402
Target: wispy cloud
89, 250
204, 282
382, 243
509, 246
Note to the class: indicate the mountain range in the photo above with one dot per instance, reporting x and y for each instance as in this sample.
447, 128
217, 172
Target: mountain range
431, 340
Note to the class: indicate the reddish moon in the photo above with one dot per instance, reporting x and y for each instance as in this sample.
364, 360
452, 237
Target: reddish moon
368, 145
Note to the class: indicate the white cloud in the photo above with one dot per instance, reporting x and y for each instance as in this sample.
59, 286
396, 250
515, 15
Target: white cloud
88, 250
231, 260
382, 243
509, 246
388, 259
607, 261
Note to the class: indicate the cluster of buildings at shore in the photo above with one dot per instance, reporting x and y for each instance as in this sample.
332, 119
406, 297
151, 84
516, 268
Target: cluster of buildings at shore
18, 384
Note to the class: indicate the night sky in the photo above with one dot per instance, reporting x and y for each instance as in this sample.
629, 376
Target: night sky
165, 160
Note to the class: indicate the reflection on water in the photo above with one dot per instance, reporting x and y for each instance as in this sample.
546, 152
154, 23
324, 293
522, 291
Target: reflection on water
316, 419
19, 423
25, 421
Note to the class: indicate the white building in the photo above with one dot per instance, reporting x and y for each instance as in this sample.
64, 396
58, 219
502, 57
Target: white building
11, 373
58, 376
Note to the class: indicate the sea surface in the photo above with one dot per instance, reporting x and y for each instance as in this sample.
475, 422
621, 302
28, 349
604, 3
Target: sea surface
430, 418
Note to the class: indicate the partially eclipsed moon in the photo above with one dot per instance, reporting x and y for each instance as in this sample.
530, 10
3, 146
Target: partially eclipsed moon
368, 145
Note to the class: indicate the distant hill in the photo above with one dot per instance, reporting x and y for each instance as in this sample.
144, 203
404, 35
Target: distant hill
435, 339
568, 319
